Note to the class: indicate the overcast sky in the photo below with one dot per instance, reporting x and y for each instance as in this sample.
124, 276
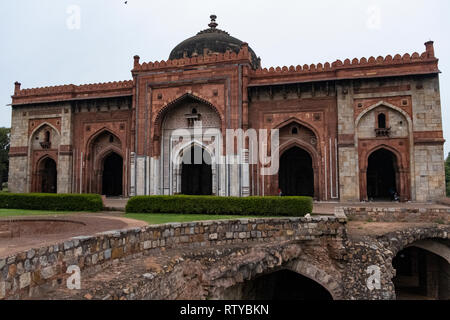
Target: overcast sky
44, 43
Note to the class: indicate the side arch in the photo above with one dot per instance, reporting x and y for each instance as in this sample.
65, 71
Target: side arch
302, 123
230, 282
37, 154
400, 240
387, 105
96, 155
405, 158
45, 179
316, 162
435, 247
39, 128
98, 133
327, 281
104, 154
420, 263
403, 174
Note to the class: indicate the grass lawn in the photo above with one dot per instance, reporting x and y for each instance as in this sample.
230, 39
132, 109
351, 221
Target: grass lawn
174, 218
161, 218
19, 212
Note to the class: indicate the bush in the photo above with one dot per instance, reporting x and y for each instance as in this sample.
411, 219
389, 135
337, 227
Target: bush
51, 202
251, 206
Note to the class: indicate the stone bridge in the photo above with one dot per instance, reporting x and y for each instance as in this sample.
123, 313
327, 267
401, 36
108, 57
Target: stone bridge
292, 258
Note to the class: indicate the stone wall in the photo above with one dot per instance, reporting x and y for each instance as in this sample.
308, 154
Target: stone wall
425, 215
413, 110
26, 121
348, 176
24, 274
429, 172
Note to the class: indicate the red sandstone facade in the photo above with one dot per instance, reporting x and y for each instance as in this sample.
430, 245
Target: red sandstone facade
335, 116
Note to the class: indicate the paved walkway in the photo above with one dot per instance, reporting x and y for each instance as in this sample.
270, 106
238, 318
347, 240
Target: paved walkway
116, 203
328, 207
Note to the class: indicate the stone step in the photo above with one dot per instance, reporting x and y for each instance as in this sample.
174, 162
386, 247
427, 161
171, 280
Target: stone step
5, 234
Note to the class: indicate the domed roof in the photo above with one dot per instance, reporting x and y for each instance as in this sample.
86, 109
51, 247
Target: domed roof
214, 41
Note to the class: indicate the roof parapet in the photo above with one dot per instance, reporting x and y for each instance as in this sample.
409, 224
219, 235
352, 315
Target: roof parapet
209, 58
72, 89
427, 56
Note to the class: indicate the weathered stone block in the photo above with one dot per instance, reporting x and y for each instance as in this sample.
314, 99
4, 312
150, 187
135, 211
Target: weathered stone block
25, 280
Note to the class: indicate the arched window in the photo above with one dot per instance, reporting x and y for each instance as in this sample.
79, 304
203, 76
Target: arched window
111, 139
47, 136
194, 111
382, 121
294, 131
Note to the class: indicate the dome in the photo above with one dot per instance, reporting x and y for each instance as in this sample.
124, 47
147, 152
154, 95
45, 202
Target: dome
214, 41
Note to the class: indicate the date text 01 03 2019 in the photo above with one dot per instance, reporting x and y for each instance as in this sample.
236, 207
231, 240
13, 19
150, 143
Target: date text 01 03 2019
227, 310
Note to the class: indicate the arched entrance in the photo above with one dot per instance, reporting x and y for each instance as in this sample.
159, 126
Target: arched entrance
382, 176
104, 172
112, 177
421, 275
296, 175
185, 122
48, 176
280, 285
196, 172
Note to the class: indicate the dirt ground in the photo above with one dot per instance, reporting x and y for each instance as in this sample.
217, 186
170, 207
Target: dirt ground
87, 225
356, 230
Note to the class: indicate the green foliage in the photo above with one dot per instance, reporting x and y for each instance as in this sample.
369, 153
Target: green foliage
447, 175
4, 158
53, 202
251, 206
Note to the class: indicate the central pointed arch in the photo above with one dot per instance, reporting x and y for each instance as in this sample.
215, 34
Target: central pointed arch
158, 123
195, 170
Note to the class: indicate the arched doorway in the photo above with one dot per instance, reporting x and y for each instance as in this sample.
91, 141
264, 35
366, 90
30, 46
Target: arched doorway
382, 176
421, 275
280, 285
296, 175
193, 121
112, 177
196, 172
49, 176
104, 171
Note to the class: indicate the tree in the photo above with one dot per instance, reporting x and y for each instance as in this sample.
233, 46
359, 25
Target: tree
447, 174
4, 155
